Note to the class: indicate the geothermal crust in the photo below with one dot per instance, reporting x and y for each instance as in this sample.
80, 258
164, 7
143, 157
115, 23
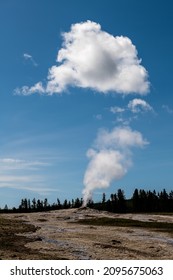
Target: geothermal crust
58, 235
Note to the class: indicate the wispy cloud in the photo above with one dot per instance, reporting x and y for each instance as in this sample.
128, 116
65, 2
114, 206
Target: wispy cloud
23, 174
21, 181
138, 105
117, 109
167, 109
25, 90
92, 58
130, 112
16, 179
19, 164
124, 121
25, 184
29, 57
98, 117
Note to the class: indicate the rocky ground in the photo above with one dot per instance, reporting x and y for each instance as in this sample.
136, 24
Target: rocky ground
60, 235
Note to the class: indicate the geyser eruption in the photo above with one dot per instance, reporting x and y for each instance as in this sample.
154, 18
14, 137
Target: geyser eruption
110, 158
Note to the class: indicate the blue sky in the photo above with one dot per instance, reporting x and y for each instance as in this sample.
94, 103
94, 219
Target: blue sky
52, 135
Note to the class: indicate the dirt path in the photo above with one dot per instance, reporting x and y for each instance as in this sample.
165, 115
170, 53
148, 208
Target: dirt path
59, 237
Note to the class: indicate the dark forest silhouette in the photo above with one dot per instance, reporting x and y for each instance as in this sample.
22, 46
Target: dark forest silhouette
141, 202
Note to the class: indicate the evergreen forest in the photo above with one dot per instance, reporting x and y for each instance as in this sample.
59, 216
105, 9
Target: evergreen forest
142, 201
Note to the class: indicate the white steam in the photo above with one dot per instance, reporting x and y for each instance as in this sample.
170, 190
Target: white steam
110, 158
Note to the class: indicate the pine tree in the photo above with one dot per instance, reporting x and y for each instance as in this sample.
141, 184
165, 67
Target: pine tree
135, 201
121, 201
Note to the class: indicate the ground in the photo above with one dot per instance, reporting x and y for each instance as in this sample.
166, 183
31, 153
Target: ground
85, 234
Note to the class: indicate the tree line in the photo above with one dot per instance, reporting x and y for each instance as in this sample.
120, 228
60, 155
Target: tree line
38, 205
141, 201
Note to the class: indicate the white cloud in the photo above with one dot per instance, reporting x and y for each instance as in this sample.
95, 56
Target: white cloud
92, 58
13, 178
23, 174
139, 105
117, 109
30, 58
98, 117
25, 90
167, 109
27, 56
34, 184
10, 160
19, 181
20, 164
110, 158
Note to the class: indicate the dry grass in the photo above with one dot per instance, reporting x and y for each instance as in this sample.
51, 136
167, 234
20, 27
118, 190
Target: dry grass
13, 240
85, 234
121, 222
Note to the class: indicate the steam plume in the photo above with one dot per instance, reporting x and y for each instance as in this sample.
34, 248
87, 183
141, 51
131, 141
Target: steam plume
110, 158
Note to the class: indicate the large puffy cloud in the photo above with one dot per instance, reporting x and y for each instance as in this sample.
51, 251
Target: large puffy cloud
110, 158
92, 58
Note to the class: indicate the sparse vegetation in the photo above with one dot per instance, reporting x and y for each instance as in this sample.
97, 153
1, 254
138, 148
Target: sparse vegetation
13, 240
85, 233
121, 222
